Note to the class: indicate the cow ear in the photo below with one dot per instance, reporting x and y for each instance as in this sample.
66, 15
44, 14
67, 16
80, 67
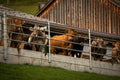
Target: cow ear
94, 43
116, 44
31, 28
66, 31
105, 43
113, 43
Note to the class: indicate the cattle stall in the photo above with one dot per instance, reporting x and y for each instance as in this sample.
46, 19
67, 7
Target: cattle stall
22, 32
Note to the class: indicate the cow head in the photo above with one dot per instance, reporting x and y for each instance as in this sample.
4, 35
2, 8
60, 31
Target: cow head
99, 42
117, 45
37, 31
70, 33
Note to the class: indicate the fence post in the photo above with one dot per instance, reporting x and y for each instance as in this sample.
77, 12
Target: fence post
5, 37
0, 27
49, 54
90, 48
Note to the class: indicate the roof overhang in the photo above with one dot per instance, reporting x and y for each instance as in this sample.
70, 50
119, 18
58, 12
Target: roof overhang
44, 8
115, 2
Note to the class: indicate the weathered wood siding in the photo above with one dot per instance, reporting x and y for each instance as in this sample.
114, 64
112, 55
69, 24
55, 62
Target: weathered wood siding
97, 15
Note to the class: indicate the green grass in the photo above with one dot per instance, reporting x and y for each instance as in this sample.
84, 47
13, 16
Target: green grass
27, 6
30, 9
29, 72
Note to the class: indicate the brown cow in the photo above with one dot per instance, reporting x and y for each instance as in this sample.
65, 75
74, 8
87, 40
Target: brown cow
116, 53
98, 48
59, 41
11, 27
39, 37
27, 30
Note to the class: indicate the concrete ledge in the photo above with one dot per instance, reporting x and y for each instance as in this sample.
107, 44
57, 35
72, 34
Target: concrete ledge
66, 62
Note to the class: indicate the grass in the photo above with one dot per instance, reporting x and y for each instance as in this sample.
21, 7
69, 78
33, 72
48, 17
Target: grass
30, 9
27, 6
29, 72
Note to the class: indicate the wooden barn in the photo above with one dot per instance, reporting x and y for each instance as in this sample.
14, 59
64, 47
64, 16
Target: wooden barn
101, 16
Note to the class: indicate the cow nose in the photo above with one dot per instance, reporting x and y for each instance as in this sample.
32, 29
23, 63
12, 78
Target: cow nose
35, 35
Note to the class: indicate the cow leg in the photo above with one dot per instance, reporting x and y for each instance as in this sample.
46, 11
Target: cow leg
68, 52
33, 47
113, 59
78, 55
65, 52
19, 47
53, 50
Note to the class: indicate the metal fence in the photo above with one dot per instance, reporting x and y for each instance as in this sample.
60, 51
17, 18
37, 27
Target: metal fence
7, 34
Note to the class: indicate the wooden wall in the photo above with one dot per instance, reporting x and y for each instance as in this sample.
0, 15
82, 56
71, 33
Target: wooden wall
98, 15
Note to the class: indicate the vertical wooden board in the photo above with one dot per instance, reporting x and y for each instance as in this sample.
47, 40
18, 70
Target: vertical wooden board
119, 26
57, 13
83, 14
107, 26
71, 7
62, 12
102, 17
68, 13
98, 18
60, 9
80, 14
51, 15
90, 15
76, 14
94, 15
106, 20
112, 23
115, 26
87, 14
110, 13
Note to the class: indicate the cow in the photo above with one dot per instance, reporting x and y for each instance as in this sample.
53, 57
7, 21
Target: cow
62, 41
98, 48
11, 27
77, 46
116, 53
27, 30
38, 36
